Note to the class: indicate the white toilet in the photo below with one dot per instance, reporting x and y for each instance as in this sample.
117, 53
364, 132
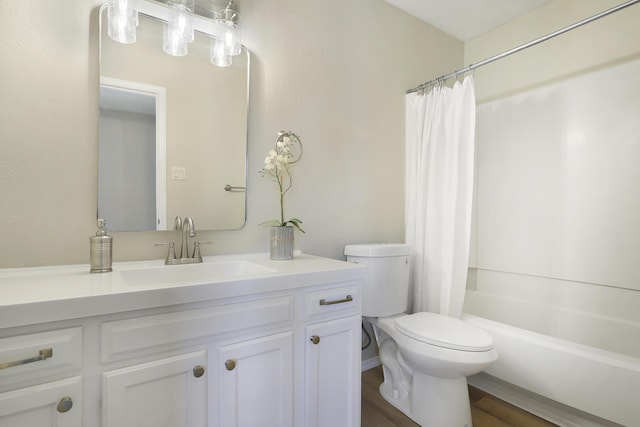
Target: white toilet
426, 357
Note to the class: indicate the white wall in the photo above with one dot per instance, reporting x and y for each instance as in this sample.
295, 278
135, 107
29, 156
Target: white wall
335, 72
558, 179
547, 207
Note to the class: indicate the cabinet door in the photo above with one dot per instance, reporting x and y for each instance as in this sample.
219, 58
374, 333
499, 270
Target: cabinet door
257, 382
55, 404
333, 373
164, 393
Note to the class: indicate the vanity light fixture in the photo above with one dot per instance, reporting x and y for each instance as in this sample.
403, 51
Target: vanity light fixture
179, 25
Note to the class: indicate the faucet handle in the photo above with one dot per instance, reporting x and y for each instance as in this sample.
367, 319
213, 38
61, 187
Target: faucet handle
171, 254
196, 249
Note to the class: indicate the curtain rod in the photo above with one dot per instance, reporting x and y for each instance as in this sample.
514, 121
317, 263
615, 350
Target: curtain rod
524, 46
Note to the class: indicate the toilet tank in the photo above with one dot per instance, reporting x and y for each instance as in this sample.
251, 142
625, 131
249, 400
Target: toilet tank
385, 290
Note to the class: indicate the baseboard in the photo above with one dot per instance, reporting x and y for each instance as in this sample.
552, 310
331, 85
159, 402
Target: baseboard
370, 363
552, 411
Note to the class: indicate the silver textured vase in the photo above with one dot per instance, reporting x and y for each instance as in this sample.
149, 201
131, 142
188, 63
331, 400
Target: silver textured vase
282, 242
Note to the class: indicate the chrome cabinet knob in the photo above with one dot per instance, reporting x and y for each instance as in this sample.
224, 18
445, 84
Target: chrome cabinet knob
315, 339
65, 404
230, 364
198, 371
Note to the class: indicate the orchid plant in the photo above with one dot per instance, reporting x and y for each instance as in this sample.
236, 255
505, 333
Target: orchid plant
277, 166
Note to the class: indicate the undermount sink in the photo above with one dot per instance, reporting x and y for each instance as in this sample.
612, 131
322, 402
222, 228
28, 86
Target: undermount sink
207, 272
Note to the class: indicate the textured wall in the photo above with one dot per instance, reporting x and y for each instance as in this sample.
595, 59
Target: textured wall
335, 72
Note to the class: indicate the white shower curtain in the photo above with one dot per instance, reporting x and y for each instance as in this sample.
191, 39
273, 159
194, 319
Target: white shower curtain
440, 141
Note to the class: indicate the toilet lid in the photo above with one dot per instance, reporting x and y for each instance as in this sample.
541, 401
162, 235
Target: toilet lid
443, 331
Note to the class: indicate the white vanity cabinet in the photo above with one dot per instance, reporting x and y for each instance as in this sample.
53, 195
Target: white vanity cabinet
332, 357
207, 365
229, 353
39, 382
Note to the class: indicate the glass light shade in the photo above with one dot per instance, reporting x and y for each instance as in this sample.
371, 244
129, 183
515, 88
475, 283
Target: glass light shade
122, 20
219, 54
181, 17
232, 38
178, 31
173, 41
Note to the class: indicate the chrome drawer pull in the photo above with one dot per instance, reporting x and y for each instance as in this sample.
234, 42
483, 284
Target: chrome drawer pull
348, 298
42, 355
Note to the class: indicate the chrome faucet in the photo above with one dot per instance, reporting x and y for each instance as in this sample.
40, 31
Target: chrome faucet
188, 230
187, 227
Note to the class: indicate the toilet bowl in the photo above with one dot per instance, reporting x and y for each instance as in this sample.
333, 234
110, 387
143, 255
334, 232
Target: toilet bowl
464, 354
426, 357
438, 370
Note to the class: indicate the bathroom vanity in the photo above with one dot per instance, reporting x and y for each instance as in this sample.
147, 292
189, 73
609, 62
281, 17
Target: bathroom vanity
234, 341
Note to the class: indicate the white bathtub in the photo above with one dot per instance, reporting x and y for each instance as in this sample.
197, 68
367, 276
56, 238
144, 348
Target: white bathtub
584, 353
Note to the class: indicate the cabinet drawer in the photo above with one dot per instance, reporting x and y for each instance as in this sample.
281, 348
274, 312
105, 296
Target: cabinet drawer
30, 356
145, 335
330, 303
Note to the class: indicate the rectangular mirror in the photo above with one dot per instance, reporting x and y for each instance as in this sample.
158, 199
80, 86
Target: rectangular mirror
173, 133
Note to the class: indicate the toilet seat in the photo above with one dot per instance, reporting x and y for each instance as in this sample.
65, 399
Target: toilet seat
443, 331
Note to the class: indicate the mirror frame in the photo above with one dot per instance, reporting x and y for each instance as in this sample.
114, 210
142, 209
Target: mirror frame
159, 12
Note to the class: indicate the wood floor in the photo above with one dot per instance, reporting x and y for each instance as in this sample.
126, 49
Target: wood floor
486, 410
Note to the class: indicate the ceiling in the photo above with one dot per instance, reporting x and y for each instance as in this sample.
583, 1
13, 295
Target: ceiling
466, 19
462, 19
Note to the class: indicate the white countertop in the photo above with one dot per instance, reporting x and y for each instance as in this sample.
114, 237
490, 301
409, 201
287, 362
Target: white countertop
47, 294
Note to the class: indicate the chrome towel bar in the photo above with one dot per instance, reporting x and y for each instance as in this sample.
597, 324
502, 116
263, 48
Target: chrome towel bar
232, 188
